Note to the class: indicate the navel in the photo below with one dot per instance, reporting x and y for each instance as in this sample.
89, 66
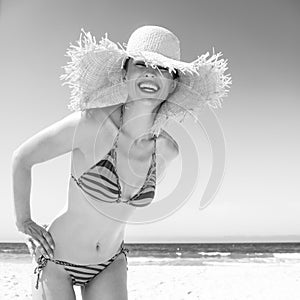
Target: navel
98, 246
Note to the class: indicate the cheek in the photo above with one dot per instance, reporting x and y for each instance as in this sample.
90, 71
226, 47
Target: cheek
167, 84
131, 86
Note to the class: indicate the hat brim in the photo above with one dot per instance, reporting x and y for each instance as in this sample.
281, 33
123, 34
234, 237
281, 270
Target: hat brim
156, 59
95, 77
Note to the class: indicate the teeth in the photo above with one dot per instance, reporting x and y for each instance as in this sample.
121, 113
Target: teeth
148, 86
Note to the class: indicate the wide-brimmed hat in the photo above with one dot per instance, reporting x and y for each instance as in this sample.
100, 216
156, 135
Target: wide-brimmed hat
94, 73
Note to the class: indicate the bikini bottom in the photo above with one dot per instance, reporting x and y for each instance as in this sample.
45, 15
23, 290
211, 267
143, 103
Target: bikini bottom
80, 274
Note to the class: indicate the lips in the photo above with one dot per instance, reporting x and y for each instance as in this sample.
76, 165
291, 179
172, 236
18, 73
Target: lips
148, 86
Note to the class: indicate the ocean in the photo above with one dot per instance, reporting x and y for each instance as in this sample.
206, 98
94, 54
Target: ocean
161, 271
187, 253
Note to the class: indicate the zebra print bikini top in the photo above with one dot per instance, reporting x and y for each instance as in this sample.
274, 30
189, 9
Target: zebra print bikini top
101, 181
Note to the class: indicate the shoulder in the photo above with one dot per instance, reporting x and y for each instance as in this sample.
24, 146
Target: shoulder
101, 114
100, 121
52, 141
93, 119
168, 145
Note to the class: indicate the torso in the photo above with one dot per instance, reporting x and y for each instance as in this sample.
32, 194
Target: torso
90, 231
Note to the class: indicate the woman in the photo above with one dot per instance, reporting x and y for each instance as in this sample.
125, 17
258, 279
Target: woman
122, 99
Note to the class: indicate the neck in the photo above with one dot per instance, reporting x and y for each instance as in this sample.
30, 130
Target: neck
138, 117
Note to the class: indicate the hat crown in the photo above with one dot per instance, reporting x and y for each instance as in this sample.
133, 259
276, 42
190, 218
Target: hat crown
154, 39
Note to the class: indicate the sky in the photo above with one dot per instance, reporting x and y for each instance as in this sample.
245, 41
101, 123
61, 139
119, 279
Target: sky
259, 198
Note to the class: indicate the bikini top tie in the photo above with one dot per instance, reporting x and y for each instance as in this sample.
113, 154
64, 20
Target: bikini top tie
101, 181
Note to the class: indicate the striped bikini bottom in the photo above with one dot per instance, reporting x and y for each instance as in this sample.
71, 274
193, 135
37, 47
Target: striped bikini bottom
80, 274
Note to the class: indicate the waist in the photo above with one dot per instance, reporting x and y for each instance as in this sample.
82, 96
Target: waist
85, 241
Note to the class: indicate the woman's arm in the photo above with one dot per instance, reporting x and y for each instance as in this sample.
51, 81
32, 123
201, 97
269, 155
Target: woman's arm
51, 142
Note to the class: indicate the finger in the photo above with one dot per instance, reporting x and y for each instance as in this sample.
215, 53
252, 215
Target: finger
47, 243
42, 245
29, 242
38, 251
30, 247
37, 233
49, 239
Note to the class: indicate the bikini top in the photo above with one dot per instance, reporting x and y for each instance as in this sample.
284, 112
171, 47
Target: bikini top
101, 181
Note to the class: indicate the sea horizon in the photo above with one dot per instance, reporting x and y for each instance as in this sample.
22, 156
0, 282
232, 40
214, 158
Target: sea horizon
242, 251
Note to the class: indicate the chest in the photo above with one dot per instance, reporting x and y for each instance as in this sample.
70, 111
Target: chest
134, 164
136, 167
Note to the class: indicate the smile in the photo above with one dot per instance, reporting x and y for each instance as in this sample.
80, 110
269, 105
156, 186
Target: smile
148, 87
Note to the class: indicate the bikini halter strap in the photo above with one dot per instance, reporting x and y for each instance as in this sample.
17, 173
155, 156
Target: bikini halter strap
121, 124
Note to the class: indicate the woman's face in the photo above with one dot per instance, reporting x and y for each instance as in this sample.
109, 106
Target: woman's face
147, 82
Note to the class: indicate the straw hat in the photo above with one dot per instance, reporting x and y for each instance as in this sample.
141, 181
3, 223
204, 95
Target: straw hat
94, 73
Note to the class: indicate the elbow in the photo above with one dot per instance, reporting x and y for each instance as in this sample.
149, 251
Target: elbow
16, 159
16, 155
19, 159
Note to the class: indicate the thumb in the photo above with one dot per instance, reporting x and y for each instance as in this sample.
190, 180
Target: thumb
31, 246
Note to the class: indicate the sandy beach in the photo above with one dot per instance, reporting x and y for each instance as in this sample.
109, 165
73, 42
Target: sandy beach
280, 281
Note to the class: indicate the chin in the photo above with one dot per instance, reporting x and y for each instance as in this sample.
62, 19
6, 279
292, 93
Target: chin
148, 98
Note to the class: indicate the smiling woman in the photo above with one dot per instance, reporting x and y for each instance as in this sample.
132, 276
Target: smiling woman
147, 81
123, 98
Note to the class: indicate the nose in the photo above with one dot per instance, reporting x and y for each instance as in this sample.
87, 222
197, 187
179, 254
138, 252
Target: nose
149, 75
